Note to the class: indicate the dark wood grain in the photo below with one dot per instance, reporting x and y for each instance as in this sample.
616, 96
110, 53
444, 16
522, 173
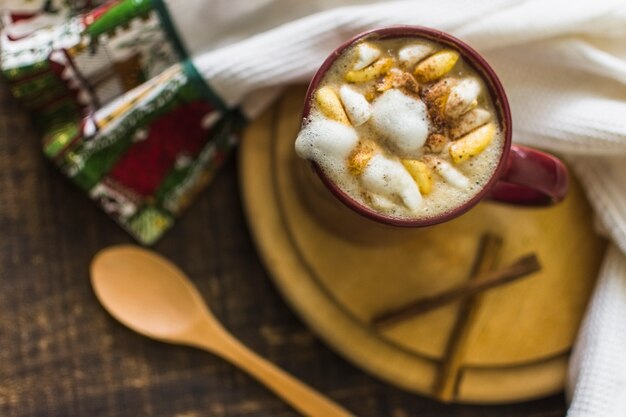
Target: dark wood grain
61, 355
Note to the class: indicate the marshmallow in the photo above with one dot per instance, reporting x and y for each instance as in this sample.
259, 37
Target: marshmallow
436, 66
451, 175
473, 143
470, 121
357, 107
366, 54
462, 97
382, 203
388, 178
330, 105
402, 120
414, 53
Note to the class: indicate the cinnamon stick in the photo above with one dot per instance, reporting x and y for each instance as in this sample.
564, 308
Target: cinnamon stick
447, 381
523, 267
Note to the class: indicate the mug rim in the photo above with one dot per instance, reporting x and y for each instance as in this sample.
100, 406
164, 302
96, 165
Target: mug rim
472, 58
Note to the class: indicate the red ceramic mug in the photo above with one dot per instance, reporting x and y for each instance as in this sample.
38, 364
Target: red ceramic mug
524, 176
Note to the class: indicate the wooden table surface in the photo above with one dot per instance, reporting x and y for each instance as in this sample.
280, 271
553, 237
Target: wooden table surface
62, 355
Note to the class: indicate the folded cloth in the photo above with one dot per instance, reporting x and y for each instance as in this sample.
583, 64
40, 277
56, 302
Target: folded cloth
122, 111
562, 62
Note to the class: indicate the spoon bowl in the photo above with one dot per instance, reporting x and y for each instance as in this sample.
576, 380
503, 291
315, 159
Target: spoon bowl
151, 296
146, 293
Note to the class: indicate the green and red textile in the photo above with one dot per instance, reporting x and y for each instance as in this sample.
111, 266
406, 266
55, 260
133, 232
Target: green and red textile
122, 111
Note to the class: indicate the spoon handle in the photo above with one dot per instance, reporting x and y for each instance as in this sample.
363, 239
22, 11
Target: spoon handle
300, 396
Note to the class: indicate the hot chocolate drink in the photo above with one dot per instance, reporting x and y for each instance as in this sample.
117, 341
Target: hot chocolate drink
404, 126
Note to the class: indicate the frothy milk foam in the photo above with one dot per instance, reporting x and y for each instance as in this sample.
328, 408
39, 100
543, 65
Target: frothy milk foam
328, 143
404, 148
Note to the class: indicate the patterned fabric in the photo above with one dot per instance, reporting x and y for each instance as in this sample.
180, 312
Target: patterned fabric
122, 111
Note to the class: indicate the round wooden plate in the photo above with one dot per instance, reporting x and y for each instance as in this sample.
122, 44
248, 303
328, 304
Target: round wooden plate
338, 271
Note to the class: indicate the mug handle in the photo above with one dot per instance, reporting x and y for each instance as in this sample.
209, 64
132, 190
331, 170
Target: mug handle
531, 178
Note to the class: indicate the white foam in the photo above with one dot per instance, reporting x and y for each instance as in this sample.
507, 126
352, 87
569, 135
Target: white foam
412, 54
389, 179
366, 54
358, 108
402, 120
326, 142
462, 96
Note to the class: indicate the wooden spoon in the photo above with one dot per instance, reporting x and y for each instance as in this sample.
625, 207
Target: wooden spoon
153, 297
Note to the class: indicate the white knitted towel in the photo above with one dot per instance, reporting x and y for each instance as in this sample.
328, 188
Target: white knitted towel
563, 64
